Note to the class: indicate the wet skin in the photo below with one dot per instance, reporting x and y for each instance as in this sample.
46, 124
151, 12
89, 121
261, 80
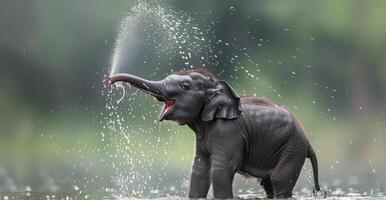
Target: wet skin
246, 135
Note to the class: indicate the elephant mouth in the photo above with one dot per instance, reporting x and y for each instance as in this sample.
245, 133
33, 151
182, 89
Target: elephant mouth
167, 110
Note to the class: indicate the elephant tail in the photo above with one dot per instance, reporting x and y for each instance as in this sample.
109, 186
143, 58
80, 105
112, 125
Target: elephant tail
314, 163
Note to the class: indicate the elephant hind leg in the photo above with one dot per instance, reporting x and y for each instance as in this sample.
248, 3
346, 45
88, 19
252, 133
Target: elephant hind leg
285, 175
266, 184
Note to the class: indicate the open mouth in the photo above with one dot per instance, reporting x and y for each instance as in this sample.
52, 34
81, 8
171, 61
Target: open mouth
167, 110
168, 107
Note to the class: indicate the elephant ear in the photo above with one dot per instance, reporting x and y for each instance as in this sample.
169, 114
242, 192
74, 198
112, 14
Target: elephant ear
224, 103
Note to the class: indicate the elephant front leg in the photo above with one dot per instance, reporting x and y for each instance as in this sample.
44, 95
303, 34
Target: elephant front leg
226, 159
199, 180
223, 168
222, 179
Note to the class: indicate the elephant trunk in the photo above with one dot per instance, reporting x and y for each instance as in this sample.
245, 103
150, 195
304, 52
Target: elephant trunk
154, 88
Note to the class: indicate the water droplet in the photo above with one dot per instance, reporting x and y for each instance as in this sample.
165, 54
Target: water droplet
76, 188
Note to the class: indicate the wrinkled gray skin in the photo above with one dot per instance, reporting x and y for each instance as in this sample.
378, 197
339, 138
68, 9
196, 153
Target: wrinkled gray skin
246, 135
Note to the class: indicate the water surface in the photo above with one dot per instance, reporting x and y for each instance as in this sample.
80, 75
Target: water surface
102, 196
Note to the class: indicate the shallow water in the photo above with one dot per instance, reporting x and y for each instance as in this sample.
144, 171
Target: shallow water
102, 196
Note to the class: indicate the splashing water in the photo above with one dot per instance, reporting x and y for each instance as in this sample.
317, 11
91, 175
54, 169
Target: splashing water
166, 32
137, 173
158, 38
120, 85
151, 35
166, 35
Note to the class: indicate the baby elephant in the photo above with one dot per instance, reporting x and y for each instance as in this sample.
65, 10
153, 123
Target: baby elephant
247, 135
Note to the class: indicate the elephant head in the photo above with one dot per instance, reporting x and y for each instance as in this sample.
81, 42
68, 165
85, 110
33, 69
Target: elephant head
188, 95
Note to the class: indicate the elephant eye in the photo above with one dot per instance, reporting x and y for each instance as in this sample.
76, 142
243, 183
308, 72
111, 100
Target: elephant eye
185, 86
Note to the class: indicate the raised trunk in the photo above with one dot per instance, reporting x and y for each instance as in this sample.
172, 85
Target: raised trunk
155, 88
152, 87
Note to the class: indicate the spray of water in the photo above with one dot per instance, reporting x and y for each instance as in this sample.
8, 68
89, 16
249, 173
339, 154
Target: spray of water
167, 32
175, 41
153, 36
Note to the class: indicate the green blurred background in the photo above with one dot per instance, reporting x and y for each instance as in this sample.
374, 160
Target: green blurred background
324, 60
